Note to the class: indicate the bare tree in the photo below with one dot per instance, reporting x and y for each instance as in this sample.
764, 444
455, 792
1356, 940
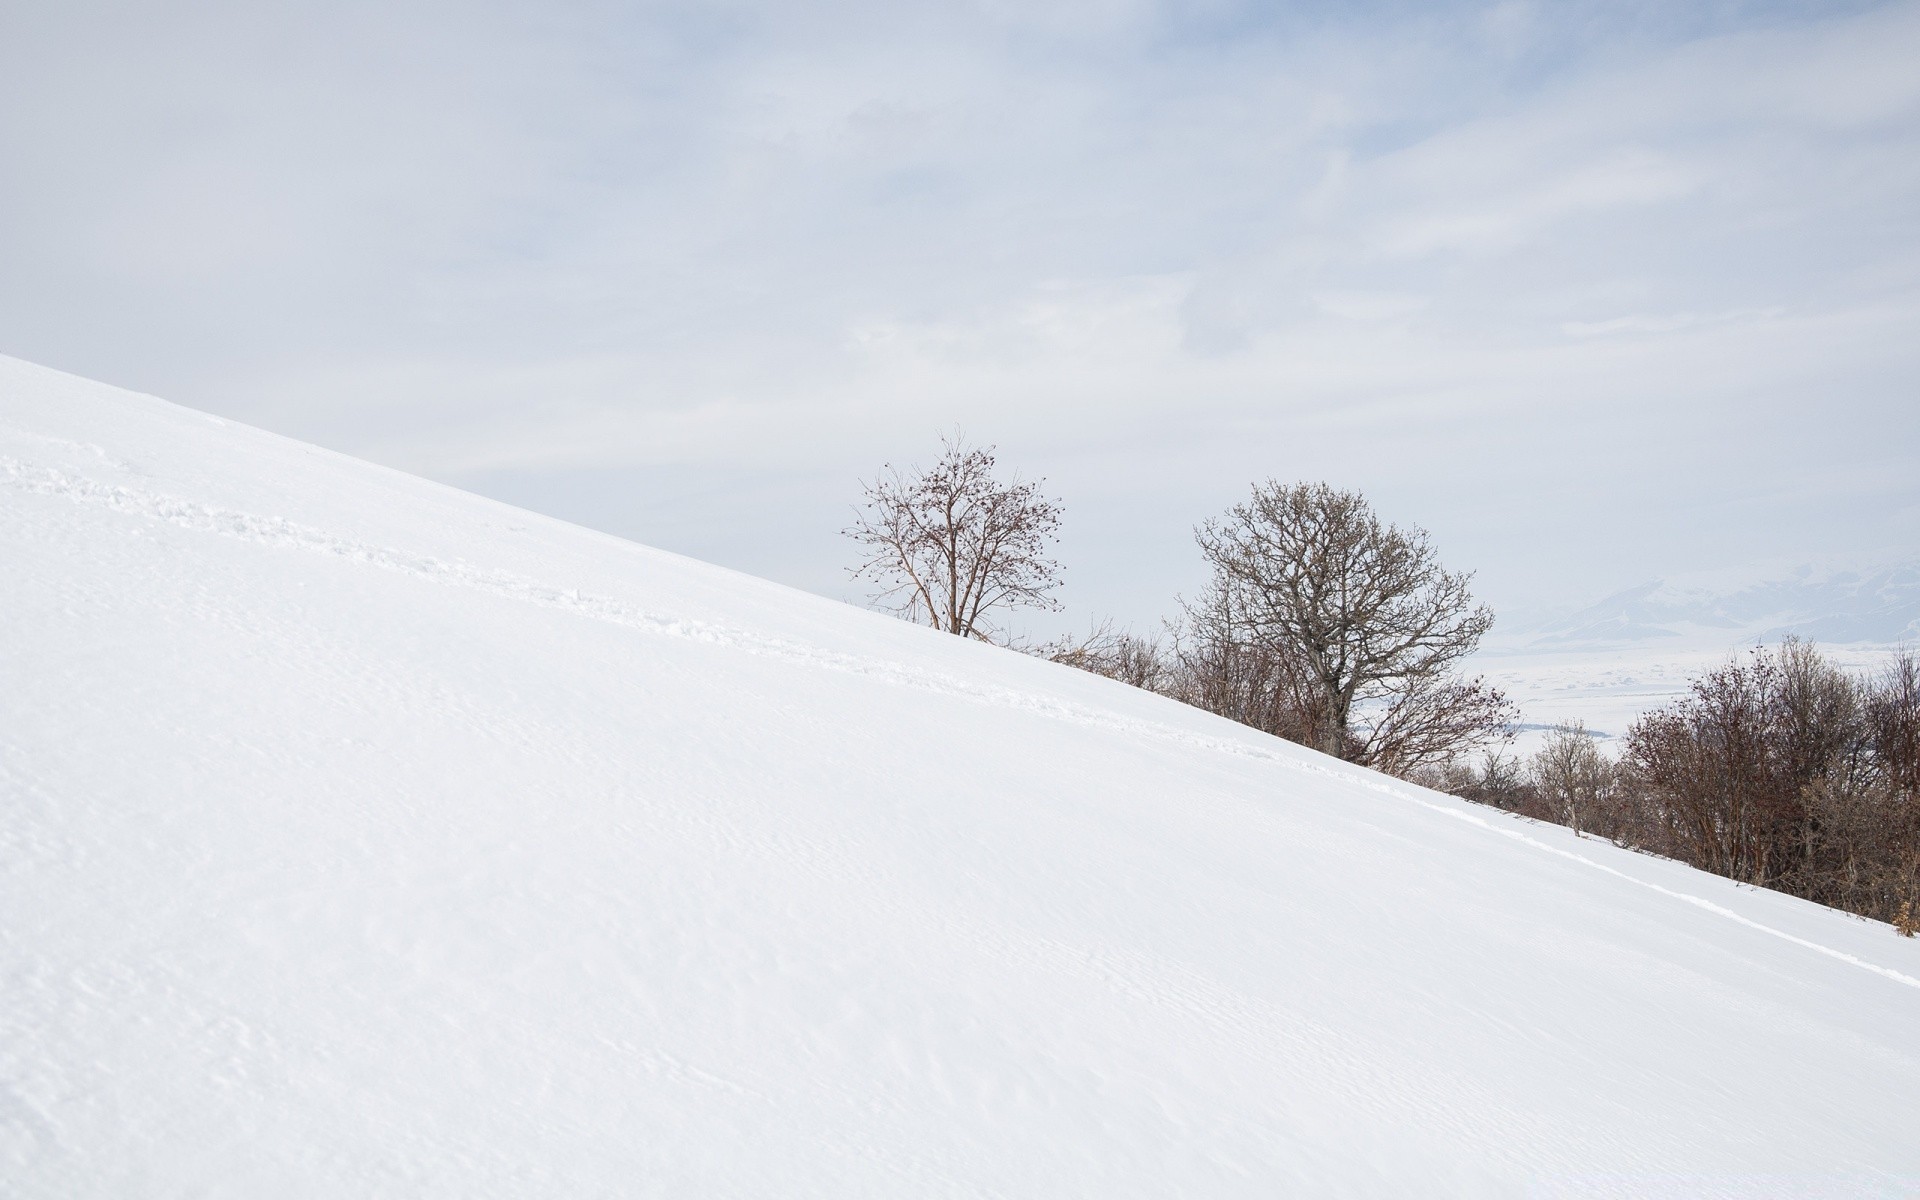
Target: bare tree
951, 544
1364, 616
1892, 717
1711, 761
1571, 775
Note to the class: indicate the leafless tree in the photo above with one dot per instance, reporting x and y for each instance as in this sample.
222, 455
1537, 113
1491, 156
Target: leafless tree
1571, 775
1710, 759
951, 544
1892, 720
1365, 617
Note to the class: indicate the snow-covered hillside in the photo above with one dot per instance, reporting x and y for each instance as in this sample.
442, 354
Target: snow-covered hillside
362, 837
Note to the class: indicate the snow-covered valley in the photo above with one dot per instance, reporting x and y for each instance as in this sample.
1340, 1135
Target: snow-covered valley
365, 837
1639, 649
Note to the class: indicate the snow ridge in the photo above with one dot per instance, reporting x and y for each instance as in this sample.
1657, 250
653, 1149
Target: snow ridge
281, 533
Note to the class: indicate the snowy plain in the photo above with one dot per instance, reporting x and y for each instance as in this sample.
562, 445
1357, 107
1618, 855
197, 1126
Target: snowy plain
1641, 648
362, 837
1606, 688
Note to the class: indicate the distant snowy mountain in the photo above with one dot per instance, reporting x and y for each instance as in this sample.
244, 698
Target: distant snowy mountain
361, 837
1878, 606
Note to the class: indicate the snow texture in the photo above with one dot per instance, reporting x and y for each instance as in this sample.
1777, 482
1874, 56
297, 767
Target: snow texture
362, 837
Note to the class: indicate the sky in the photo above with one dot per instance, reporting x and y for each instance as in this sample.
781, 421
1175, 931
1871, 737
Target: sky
1596, 293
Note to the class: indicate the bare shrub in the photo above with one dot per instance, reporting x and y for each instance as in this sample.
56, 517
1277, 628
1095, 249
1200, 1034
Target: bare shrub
1785, 772
1709, 759
1117, 654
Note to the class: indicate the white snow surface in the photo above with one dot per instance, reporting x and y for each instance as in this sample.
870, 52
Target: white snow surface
361, 837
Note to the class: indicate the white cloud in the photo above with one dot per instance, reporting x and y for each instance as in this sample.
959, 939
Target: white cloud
1507, 220
1169, 248
1648, 323
1369, 306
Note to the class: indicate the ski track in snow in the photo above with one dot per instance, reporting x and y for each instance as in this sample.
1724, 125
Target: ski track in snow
279, 532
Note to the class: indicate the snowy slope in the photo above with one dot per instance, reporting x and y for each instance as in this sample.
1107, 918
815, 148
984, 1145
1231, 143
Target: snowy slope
362, 837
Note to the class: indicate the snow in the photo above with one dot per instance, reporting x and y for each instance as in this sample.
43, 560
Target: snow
364, 837
1608, 688
1639, 649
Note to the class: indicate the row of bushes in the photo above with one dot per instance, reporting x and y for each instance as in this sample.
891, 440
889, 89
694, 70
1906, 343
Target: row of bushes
1781, 771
